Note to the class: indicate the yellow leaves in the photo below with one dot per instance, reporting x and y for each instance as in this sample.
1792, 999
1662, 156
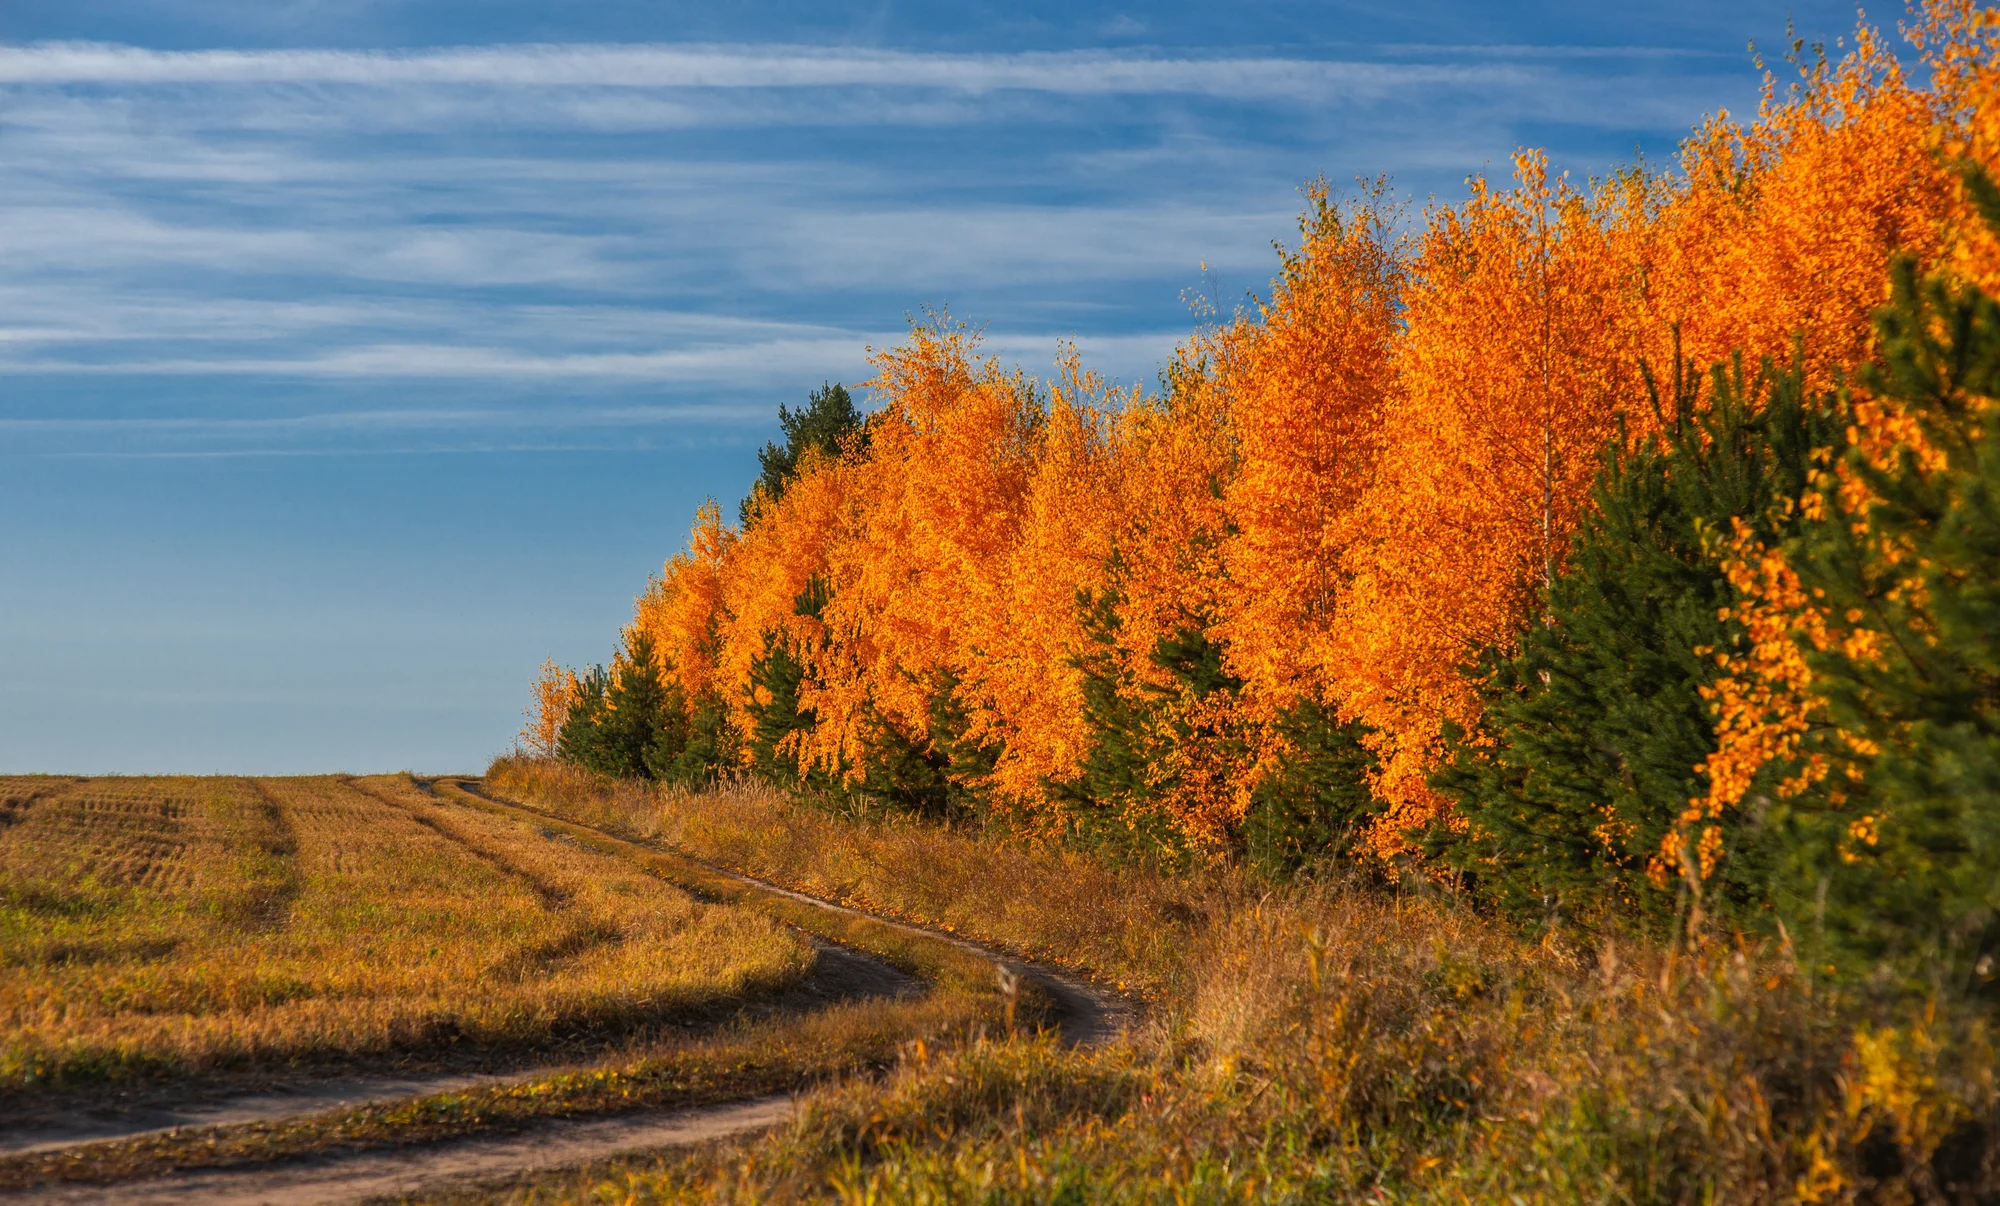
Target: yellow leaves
1502, 385
1853, 119
918, 579
1894, 1076
1822, 1180
1764, 703
1867, 830
1960, 42
777, 562
555, 690
1306, 384
1709, 850
682, 608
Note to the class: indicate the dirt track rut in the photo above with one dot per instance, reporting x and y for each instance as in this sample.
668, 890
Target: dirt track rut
353, 1178
1086, 1015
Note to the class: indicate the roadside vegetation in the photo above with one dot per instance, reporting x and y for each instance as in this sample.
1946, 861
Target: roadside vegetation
1320, 1038
745, 1059
1616, 550
1058, 906
1519, 707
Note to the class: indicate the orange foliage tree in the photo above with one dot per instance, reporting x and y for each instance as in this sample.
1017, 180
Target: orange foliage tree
1529, 315
682, 609
1767, 703
1306, 380
554, 691
1510, 372
773, 566
918, 579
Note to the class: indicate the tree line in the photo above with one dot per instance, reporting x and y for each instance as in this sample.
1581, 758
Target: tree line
1624, 551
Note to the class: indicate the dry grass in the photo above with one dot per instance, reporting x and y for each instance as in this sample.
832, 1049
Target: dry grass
168, 926
942, 965
1126, 926
1318, 1042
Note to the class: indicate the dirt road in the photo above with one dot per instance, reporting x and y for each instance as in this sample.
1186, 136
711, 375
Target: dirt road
356, 1177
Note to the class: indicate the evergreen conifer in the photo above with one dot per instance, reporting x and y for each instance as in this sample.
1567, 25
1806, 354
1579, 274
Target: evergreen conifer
1895, 857
829, 424
1594, 724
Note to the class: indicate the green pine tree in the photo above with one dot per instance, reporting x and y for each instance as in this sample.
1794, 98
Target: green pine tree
692, 750
776, 711
829, 423
1924, 895
627, 721
1593, 724
1306, 811
1315, 805
936, 773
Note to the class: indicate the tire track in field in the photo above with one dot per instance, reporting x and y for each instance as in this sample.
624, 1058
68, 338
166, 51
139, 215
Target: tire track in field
324, 1181
583, 935
841, 975
274, 884
14, 808
282, 838
554, 897
1087, 1015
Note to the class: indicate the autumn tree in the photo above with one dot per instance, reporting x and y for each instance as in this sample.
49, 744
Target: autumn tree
1306, 377
1236, 612
1528, 314
1163, 757
680, 617
553, 694
1510, 372
916, 580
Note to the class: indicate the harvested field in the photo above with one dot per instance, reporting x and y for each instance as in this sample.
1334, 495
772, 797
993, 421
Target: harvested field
160, 927
878, 991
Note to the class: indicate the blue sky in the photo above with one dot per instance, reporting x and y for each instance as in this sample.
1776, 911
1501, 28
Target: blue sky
355, 356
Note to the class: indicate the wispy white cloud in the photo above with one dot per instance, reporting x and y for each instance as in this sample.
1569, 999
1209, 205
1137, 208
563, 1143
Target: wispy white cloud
739, 66
625, 224
409, 361
107, 236
745, 363
677, 441
391, 420
662, 88
1521, 50
41, 315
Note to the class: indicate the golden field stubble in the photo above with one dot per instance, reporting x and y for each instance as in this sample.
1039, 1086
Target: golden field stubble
175, 924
